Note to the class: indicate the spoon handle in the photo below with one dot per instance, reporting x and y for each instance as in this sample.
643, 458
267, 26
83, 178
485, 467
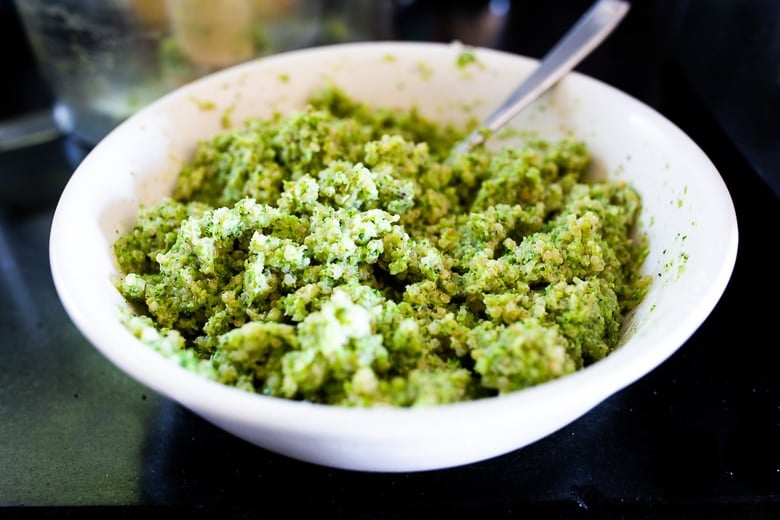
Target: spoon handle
589, 31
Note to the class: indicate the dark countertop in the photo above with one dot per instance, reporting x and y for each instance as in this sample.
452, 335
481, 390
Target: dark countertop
698, 435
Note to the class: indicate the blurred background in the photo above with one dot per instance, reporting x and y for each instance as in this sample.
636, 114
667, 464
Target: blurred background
102, 60
79, 67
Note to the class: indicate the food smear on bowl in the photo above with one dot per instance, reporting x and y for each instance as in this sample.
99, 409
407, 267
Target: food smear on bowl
335, 255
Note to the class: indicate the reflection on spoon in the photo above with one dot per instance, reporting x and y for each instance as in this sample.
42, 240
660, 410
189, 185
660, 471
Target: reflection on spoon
589, 31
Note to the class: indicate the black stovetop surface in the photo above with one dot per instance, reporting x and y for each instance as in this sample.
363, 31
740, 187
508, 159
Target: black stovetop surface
698, 436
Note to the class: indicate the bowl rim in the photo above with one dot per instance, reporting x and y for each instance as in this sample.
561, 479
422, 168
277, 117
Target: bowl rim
604, 378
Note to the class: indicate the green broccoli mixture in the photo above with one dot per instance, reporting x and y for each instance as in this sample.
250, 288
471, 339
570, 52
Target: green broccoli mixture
335, 255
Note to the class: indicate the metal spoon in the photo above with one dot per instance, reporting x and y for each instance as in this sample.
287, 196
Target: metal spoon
584, 36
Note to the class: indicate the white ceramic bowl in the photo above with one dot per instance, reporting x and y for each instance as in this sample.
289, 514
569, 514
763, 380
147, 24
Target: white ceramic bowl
688, 216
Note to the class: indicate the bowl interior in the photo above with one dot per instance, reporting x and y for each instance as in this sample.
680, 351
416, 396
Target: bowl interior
687, 214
